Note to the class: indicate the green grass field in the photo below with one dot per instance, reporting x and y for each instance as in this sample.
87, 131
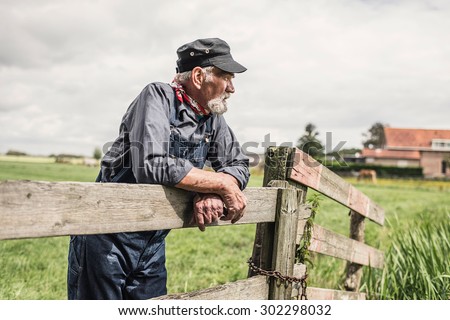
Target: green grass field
36, 268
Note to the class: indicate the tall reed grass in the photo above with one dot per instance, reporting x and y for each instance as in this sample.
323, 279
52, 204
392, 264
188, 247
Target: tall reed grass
417, 265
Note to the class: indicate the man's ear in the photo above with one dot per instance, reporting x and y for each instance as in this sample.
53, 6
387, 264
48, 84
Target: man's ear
197, 77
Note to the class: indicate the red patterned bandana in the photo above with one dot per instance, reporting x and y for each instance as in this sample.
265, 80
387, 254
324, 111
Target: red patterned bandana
184, 98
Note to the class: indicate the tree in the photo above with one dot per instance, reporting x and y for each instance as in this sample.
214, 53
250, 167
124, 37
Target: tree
15, 153
375, 137
97, 153
309, 143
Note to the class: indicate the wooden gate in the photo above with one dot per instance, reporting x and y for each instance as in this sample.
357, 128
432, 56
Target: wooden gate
31, 209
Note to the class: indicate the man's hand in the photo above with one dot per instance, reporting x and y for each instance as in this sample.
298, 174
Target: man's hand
235, 201
208, 208
221, 184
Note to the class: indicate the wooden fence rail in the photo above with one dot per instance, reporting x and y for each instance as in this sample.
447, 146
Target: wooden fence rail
31, 209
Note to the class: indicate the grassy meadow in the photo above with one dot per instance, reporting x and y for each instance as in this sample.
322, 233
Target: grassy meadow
415, 238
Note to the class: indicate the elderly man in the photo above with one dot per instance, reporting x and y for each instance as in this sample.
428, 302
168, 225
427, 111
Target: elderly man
166, 135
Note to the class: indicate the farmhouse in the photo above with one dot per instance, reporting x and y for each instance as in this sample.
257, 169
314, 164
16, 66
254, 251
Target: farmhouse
426, 148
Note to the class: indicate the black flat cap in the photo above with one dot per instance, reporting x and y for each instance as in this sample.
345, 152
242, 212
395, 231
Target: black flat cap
207, 52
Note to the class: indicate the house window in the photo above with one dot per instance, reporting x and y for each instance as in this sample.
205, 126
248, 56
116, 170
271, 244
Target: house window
440, 144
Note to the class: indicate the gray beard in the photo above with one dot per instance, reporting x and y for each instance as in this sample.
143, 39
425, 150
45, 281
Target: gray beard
219, 105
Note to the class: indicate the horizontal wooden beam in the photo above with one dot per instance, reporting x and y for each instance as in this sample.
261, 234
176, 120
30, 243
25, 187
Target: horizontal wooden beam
254, 288
307, 171
319, 293
329, 294
257, 288
336, 245
30, 209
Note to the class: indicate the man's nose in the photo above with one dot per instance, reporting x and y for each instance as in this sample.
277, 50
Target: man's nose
230, 86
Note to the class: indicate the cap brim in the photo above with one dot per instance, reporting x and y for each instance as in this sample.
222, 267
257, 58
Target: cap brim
230, 66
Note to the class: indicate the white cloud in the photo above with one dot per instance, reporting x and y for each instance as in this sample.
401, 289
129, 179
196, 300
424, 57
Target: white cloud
68, 70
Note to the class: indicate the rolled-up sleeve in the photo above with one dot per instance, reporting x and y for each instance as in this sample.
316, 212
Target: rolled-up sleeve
148, 126
225, 154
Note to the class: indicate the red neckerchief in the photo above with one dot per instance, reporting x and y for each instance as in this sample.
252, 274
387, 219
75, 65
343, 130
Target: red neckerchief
184, 98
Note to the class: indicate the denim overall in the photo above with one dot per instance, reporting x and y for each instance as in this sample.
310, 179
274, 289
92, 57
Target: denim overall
129, 265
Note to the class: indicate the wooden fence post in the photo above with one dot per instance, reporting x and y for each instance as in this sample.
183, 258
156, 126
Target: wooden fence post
354, 270
276, 164
285, 238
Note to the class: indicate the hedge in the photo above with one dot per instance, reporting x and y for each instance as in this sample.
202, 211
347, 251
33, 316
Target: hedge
382, 171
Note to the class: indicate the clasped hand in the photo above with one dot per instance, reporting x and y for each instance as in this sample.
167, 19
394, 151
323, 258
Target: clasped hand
210, 207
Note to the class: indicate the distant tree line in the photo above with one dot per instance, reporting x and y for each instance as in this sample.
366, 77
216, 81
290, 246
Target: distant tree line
97, 154
310, 143
15, 153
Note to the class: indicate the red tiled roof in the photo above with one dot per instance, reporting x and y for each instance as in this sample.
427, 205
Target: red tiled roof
391, 154
420, 138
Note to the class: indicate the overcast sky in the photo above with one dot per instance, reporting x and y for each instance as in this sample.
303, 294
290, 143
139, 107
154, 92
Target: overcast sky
70, 69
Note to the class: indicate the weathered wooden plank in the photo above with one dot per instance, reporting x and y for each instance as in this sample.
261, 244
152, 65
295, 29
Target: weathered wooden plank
283, 260
254, 288
330, 243
311, 173
257, 288
354, 270
263, 247
328, 294
319, 293
38, 209
276, 162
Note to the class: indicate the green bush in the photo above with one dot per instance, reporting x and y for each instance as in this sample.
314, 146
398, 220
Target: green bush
382, 171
